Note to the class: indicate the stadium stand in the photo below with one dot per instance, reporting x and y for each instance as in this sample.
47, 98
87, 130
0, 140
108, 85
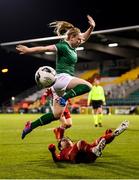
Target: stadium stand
119, 91
88, 74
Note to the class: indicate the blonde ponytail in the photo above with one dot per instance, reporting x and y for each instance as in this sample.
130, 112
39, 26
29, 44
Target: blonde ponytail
61, 27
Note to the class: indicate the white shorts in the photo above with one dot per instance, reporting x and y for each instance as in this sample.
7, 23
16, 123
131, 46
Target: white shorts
61, 83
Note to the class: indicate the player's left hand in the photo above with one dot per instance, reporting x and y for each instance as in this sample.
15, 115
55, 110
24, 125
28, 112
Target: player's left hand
91, 21
52, 147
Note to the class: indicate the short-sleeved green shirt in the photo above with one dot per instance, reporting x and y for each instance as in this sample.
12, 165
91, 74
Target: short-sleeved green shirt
66, 58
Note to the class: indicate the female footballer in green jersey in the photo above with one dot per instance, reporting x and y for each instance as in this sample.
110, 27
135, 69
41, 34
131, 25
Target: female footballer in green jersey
65, 67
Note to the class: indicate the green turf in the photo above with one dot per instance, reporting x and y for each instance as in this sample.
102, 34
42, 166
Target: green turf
30, 158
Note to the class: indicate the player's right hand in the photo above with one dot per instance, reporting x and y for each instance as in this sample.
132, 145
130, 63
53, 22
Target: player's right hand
52, 147
22, 49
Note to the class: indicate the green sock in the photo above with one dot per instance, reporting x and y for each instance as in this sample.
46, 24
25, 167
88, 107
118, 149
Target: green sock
76, 91
95, 119
45, 119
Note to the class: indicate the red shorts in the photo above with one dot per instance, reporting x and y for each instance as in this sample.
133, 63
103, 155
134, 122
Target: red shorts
82, 153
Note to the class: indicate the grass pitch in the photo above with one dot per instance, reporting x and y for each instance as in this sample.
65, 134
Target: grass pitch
30, 158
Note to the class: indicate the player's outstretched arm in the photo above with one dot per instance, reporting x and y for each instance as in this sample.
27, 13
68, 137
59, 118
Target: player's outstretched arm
88, 32
38, 49
55, 156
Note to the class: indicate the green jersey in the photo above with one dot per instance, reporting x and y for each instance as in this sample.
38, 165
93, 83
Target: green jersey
96, 93
66, 58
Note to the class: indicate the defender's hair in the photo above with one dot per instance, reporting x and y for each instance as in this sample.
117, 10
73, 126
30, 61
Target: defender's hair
63, 139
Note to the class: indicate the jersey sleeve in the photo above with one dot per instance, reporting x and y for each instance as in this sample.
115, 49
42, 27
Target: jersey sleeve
55, 156
60, 47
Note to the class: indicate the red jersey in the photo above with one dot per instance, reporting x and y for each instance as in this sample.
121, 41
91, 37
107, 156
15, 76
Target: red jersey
78, 153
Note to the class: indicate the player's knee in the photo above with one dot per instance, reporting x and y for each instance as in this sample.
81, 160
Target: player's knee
108, 131
90, 85
109, 138
57, 115
81, 144
68, 126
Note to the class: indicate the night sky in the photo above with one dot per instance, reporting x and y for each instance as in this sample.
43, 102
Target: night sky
27, 19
